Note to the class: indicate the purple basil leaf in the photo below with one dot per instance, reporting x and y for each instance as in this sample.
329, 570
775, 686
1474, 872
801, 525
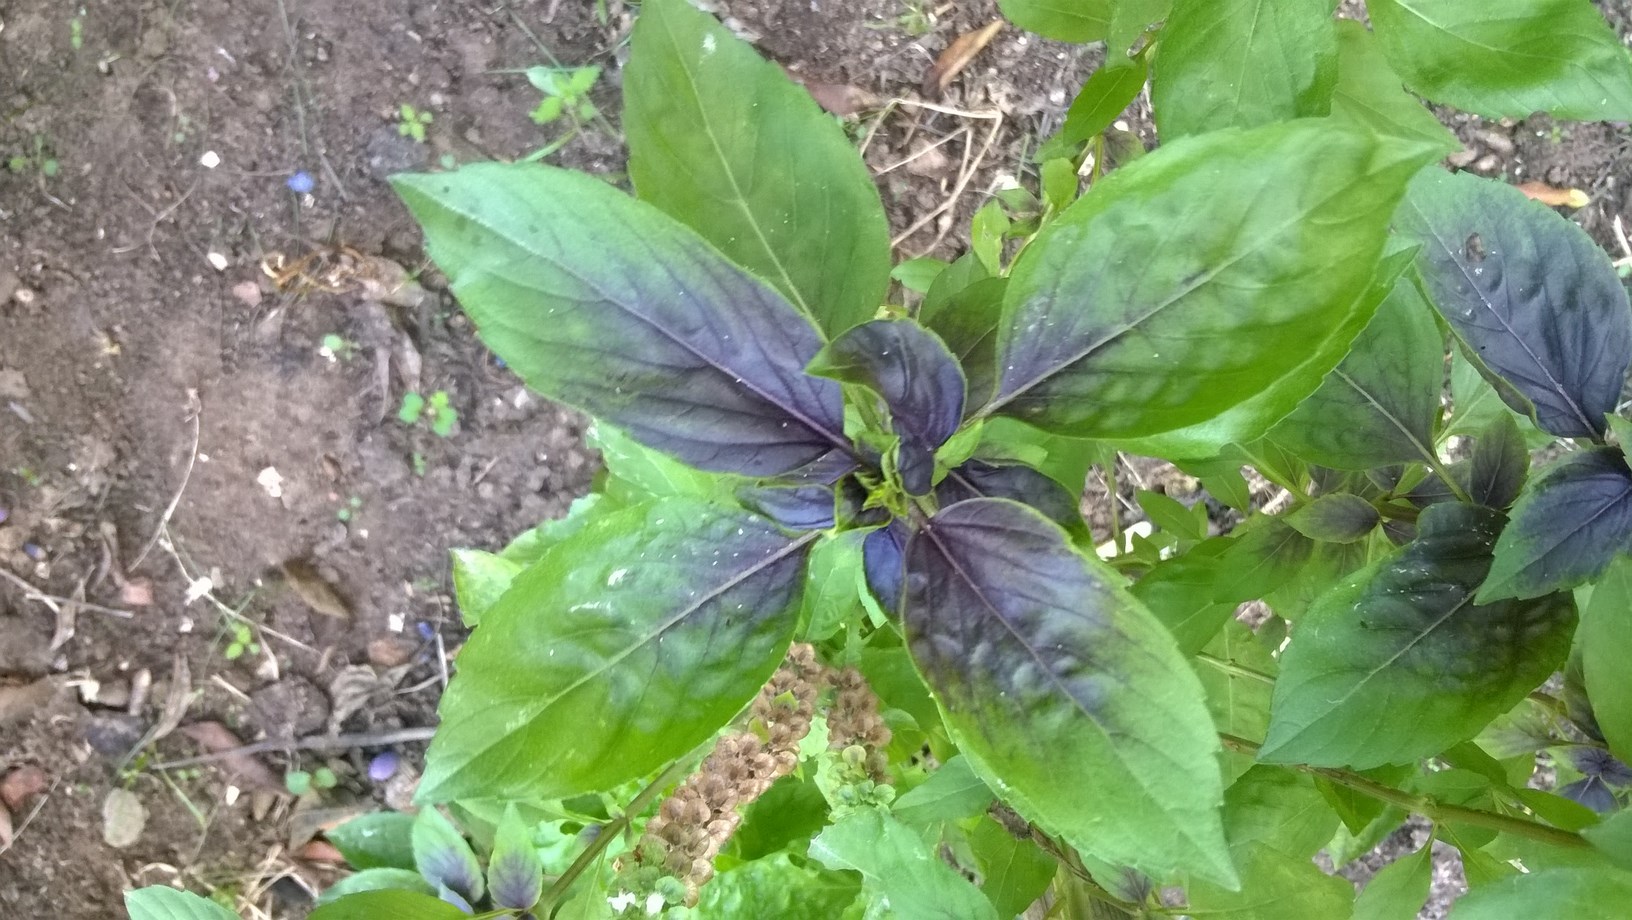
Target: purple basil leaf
1044, 666
1591, 792
882, 558
1530, 295
1568, 525
448, 895
984, 479
443, 857
825, 470
794, 507
918, 379
607, 304
515, 872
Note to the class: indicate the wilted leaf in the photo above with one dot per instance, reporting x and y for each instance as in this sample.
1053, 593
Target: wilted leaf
1554, 197
22, 784
957, 56
19, 701
123, 818
245, 769
314, 591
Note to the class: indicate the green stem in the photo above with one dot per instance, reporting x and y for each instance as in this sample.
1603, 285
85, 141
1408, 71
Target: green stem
1427, 806
1230, 667
614, 828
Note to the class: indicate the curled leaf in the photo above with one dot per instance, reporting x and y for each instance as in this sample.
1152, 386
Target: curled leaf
1555, 197
957, 56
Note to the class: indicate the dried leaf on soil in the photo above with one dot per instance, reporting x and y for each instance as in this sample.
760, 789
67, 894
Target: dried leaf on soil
314, 591
5, 828
306, 821
245, 769
390, 653
137, 592
1555, 197
22, 784
19, 701
841, 99
957, 56
123, 818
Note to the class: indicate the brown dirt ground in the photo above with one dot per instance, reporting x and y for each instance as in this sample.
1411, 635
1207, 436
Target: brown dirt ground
146, 359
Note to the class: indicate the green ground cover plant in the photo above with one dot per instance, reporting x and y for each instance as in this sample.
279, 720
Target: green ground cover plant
830, 637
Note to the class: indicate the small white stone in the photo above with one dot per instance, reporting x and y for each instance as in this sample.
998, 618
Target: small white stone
210, 159
217, 261
271, 480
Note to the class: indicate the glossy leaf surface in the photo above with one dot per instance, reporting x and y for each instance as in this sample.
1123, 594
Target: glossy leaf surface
1044, 667
1605, 641
1508, 57
1243, 63
920, 382
605, 303
721, 140
1531, 296
1260, 238
1567, 526
1379, 405
574, 683
899, 865
966, 320
1397, 662
380, 840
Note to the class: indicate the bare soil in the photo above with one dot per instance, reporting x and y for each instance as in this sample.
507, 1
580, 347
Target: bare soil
168, 413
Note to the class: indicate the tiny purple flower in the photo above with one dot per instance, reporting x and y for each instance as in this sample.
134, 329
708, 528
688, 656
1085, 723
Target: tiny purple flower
301, 183
383, 766
34, 551
425, 631
4, 515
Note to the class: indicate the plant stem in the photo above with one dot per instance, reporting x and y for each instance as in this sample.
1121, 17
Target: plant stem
1438, 812
612, 829
1230, 667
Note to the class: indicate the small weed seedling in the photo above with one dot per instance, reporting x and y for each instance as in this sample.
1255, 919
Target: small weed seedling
349, 509
412, 122
337, 347
76, 30
41, 160
300, 782
566, 93
242, 641
443, 416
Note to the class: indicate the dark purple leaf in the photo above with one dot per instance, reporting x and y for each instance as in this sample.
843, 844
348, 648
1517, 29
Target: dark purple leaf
606, 303
450, 896
1495, 474
1592, 792
1597, 762
443, 857
984, 479
1566, 528
807, 507
1044, 668
825, 470
918, 379
1535, 301
882, 558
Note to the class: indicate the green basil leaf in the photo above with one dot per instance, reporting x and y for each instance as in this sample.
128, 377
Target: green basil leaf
1508, 58
1340, 517
1369, 93
1613, 838
1605, 641
383, 879
1380, 404
479, 579
159, 902
895, 862
624, 647
721, 140
953, 792
1399, 889
1103, 98
1275, 886
398, 905
1014, 872
382, 840
1398, 662
1580, 894
772, 886
1061, 20
1243, 63
1112, 316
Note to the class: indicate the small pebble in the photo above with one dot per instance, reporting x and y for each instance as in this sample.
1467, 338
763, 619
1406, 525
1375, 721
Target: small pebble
34, 552
383, 766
